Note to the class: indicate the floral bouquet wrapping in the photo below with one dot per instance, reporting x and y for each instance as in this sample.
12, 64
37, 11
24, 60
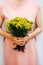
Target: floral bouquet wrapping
18, 27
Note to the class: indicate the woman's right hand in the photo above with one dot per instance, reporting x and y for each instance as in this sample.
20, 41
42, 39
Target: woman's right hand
13, 38
5, 34
17, 41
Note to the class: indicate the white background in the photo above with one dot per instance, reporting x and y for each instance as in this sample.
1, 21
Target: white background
39, 42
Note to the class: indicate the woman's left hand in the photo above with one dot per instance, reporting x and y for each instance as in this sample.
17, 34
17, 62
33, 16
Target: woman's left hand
24, 40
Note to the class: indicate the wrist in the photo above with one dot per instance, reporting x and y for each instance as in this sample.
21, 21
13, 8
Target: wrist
30, 35
1, 32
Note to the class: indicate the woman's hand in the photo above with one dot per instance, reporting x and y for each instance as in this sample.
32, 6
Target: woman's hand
17, 41
23, 40
7, 35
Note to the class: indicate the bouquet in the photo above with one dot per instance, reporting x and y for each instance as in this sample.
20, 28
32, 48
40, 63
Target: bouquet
18, 27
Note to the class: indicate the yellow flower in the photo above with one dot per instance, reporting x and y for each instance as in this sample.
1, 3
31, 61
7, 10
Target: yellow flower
19, 22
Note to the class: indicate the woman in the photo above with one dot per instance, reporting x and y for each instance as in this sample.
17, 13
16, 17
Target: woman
24, 8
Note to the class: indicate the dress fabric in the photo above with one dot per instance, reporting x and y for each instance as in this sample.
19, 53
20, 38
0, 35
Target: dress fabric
29, 10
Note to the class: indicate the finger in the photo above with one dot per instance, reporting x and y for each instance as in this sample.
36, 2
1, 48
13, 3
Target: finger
19, 40
19, 43
23, 43
14, 45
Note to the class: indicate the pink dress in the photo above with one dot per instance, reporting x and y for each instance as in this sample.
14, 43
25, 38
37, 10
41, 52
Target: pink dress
28, 9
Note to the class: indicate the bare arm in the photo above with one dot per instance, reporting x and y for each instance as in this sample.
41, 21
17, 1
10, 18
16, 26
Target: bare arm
37, 30
7, 35
39, 26
2, 32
